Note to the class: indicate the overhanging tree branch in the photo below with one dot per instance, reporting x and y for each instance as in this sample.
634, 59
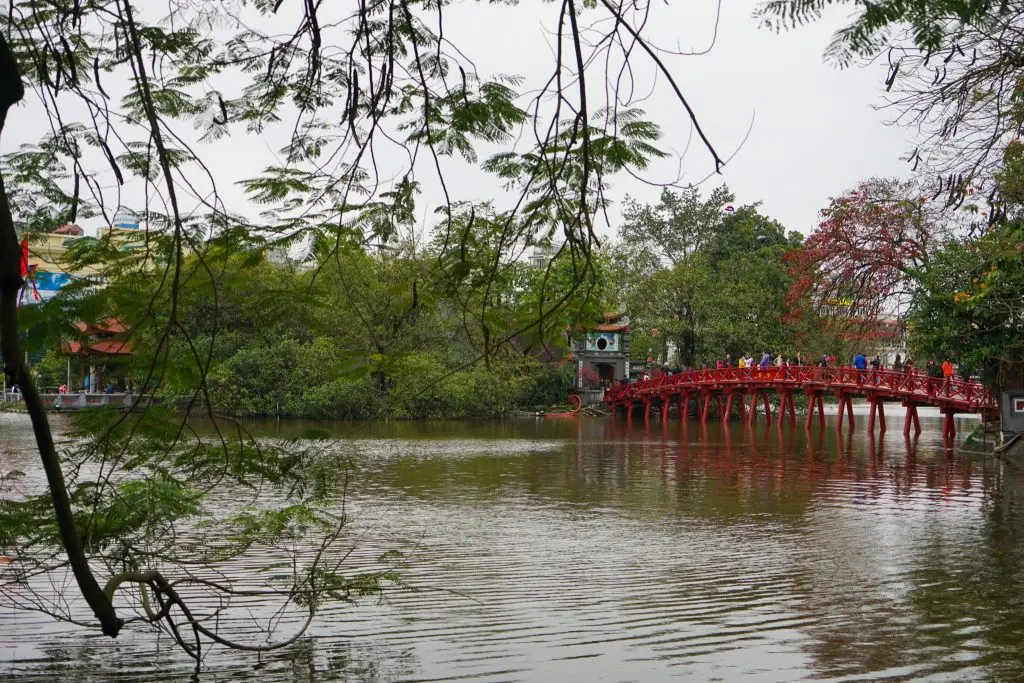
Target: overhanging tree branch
11, 92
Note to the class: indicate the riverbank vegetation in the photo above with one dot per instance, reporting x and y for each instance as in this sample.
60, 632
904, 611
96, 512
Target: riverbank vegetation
396, 332
358, 336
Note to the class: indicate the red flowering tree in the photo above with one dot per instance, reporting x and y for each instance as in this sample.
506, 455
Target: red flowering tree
857, 268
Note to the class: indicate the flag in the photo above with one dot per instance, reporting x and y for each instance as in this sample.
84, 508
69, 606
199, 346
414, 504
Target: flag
26, 273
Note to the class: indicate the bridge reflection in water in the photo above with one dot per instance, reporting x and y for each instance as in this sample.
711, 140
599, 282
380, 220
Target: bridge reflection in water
722, 390
785, 461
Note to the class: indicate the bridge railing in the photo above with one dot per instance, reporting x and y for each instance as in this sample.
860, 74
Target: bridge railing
911, 385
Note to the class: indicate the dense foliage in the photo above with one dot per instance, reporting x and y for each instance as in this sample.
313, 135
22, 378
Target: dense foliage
372, 336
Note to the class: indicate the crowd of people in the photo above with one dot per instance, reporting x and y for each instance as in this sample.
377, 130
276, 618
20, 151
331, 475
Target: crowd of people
767, 360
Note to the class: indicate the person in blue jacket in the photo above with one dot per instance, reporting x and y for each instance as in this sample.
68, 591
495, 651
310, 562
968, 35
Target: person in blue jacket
860, 362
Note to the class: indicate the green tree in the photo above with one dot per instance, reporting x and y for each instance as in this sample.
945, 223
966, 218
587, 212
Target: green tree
745, 295
668, 236
707, 282
968, 305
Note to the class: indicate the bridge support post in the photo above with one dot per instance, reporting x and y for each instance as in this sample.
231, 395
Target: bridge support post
647, 410
728, 407
706, 408
679, 408
877, 407
629, 411
845, 405
756, 396
911, 419
686, 406
786, 404
949, 424
664, 410
815, 403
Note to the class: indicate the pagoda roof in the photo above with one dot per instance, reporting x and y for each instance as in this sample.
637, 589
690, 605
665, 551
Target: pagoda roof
103, 347
109, 326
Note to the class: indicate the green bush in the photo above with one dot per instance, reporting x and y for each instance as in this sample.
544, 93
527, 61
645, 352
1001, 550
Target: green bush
313, 379
547, 385
344, 399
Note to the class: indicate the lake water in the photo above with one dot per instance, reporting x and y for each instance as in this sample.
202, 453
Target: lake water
594, 551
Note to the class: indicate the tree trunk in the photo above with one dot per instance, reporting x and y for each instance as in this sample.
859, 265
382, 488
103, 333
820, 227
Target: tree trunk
16, 370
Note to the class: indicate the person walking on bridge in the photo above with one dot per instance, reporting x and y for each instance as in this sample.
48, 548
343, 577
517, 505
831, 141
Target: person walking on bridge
947, 375
876, 365
860, 362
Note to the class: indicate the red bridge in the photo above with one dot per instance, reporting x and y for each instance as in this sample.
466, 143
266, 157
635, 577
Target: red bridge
731, 387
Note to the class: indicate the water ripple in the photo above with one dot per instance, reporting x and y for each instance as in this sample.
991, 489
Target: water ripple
597, 551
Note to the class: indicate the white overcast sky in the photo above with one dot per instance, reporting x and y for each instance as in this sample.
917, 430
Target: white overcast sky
815, 133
